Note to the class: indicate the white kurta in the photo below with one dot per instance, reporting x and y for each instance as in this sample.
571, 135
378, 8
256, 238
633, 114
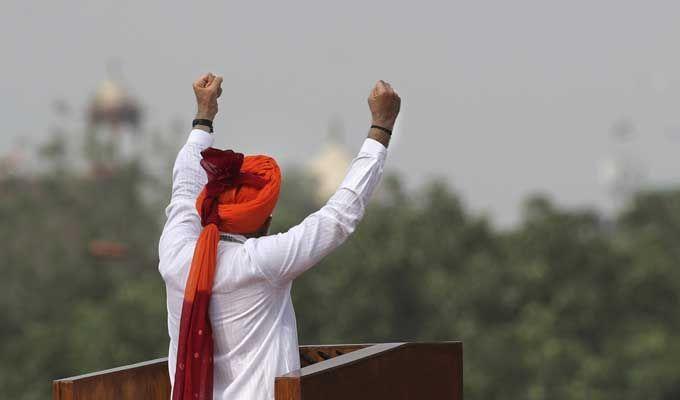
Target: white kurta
251, 310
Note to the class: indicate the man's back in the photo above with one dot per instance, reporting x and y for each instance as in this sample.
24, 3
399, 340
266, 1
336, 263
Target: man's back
253, 322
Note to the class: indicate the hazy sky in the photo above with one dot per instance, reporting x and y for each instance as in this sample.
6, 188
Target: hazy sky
501, 98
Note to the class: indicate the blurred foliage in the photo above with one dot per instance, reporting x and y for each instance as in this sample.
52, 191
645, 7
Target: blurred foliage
566, 305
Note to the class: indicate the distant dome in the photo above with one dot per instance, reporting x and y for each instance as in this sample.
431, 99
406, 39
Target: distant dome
622, 175
109, 94
329, 169
111, 104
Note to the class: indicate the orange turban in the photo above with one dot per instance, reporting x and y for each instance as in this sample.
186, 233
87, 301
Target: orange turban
245, 208
240, 195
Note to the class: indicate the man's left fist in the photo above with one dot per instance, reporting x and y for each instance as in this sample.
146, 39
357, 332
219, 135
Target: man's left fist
207, 89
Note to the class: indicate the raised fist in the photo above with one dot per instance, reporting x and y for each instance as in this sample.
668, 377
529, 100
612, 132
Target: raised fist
207, 89
384, 103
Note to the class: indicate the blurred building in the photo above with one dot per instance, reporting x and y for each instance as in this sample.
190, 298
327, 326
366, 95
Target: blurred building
113, 127
11, 163
330, 166
622, 172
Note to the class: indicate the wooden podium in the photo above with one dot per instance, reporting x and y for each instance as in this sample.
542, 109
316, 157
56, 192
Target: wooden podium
393, 371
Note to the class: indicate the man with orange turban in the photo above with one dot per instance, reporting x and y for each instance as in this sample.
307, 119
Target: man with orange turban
230, 317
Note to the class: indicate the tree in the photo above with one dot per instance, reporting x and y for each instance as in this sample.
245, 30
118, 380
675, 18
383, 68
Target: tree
565, 305
67, 311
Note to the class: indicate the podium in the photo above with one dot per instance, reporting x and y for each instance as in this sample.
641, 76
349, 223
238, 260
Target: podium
358, 371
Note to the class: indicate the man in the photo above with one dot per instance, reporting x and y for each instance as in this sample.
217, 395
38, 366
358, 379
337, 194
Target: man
230, 317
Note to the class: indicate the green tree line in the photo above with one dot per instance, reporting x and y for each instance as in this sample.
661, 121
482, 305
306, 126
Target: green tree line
564, 305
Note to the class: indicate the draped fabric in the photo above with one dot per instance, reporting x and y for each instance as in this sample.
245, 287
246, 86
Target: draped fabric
194, 368
240, 195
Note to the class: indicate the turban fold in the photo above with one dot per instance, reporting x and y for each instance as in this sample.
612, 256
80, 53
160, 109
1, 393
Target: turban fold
240, 195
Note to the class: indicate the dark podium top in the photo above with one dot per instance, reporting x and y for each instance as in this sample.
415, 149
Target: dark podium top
359, 372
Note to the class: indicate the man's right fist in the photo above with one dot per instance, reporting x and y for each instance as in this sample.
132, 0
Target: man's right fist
384, 103
207, 89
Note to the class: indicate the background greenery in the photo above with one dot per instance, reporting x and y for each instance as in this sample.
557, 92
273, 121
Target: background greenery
566, 305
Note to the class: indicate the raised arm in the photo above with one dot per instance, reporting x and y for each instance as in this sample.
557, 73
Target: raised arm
188, 178
284, 256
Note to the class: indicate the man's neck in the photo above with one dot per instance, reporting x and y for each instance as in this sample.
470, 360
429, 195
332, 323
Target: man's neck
232, 237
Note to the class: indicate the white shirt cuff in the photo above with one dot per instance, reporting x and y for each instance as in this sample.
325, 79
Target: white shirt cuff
201, 138
373, 147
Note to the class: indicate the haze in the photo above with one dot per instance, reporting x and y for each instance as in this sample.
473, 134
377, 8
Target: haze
501, 99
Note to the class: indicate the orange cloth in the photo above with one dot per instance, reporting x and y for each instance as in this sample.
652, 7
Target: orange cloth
249, 191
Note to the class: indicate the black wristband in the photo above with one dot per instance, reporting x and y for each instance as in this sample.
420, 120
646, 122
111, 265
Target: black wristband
389, 132
204, 122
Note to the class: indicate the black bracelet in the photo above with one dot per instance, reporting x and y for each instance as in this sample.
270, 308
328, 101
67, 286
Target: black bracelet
389, 132
204, 122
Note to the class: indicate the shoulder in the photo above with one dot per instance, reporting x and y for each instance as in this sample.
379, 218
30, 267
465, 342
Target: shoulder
236, 267
174, 263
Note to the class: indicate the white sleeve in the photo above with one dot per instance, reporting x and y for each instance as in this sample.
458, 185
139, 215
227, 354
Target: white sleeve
188, 179
285, 256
